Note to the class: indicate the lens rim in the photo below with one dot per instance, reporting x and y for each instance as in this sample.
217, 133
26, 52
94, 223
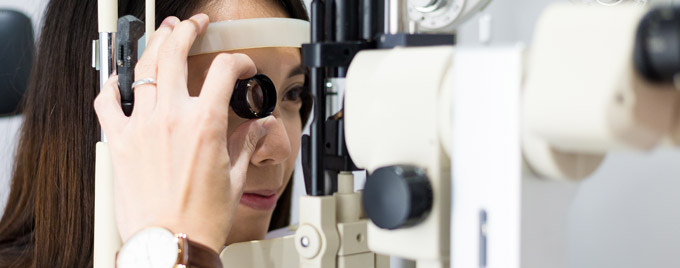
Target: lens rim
239, 101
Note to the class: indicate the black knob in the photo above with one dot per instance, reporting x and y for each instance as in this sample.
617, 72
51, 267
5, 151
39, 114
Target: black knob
657, 44
397, 196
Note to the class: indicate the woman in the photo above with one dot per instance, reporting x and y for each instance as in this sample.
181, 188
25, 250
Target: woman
49, 216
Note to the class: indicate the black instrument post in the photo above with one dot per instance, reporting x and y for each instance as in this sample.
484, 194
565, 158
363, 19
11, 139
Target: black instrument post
339, 30
130, 30
316, 84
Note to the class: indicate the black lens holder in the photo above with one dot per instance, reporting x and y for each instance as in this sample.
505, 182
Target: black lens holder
239, 98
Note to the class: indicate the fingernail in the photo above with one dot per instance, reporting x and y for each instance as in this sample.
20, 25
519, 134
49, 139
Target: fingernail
267, 122
198, 15
268, 119
166, 22
170, 21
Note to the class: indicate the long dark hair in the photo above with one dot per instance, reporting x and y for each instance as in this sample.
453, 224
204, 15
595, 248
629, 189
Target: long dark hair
48, 220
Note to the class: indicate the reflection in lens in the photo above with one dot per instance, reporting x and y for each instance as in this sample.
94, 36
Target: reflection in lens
255, 96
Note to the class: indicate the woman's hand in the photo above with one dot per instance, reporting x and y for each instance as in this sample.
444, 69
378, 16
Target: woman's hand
173, 166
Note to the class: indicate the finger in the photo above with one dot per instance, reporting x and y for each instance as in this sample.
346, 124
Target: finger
222, 75
147, 67
107, 106
243, 142
172, 61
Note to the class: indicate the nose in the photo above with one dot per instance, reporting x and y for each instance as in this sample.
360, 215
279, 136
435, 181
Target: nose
274, 147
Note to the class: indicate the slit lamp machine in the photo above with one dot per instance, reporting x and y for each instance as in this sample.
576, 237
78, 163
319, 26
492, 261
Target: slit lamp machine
472, 154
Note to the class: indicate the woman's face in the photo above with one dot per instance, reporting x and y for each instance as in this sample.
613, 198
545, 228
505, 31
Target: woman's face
274, 158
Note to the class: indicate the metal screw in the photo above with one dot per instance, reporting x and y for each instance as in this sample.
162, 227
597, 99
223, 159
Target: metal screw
399, 171
620, 99
304, 241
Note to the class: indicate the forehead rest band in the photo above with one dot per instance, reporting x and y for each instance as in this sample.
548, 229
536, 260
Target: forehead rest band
251, 33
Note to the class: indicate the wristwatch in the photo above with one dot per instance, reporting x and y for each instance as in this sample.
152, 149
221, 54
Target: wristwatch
157, 247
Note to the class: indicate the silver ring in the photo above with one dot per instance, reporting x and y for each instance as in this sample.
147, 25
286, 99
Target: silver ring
143, 81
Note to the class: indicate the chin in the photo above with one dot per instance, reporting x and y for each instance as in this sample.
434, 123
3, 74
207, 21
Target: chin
249, 224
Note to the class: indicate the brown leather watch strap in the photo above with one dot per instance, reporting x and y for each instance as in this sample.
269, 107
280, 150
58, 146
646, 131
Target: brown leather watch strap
201, 256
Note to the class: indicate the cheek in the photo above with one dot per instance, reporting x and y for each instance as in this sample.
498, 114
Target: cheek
234, 122
294, 131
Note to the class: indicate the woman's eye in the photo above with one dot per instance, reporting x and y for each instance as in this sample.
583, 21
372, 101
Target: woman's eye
294, 94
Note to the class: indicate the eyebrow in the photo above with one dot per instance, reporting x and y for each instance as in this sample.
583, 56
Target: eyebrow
298, 70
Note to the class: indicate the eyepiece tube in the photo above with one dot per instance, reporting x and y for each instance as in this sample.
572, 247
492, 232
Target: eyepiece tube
254, 97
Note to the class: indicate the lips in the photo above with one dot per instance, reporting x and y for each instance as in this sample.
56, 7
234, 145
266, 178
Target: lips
260, 200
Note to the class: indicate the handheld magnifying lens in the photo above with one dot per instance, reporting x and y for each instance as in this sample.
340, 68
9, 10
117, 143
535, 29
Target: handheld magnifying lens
254, 97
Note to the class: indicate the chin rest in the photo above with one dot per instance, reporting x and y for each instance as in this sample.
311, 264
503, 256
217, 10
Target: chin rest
16, 56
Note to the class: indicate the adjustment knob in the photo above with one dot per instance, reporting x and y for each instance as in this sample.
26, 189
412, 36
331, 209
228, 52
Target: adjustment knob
397, 196
657, 51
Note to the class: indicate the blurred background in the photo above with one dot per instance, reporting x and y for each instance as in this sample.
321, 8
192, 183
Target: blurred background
627, 215
9, 124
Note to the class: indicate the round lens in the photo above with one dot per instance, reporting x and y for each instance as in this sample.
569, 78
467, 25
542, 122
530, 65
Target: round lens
254, 97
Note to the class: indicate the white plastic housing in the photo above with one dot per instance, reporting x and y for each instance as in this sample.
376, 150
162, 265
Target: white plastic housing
238, 34
150, 20
526, 216
108, 15
272, 253
582, 97
392, 117
106, 238
443, 16
318, 229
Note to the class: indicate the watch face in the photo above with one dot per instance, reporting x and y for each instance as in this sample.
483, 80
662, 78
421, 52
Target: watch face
152, 247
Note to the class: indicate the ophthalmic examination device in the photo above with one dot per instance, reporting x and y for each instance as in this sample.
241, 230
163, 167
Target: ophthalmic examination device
471, 154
